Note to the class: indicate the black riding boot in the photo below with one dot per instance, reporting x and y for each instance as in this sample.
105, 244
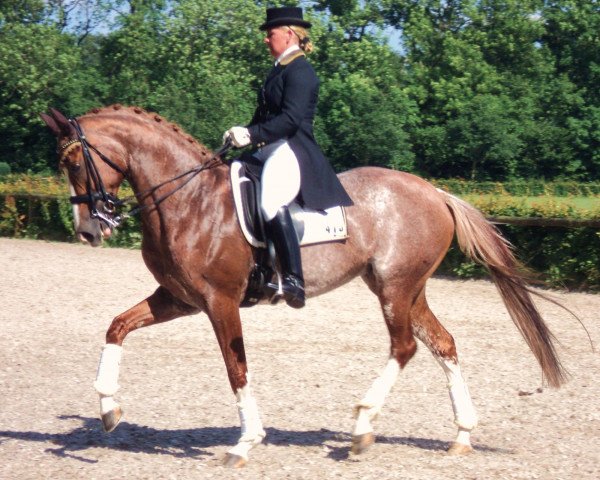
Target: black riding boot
283, 235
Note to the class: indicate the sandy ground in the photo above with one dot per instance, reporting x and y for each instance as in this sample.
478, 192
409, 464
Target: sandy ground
309, 368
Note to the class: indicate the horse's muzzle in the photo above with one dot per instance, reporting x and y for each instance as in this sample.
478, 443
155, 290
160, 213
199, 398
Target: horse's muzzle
93, 233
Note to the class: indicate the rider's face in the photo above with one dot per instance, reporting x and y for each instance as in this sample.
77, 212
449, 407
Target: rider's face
278, 39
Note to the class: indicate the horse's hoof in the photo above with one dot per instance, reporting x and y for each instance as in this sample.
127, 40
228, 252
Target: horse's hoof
460, 449
111, 419
361, 443
234, 461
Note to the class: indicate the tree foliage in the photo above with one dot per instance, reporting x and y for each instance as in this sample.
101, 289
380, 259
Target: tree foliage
479, 89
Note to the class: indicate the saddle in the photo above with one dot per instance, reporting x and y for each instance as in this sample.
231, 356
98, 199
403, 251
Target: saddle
311, 226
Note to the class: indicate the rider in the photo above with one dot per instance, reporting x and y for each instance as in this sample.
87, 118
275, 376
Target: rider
281, 131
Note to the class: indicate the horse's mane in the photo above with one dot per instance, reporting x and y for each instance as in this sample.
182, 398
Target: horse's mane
150, 117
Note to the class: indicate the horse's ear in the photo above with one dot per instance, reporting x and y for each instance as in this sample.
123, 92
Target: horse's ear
64, 126
57, 114
51, 124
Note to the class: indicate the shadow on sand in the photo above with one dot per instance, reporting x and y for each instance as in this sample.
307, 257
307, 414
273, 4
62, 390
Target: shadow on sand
195, 442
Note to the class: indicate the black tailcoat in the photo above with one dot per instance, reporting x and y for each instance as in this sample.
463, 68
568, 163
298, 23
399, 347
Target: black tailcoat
286, 109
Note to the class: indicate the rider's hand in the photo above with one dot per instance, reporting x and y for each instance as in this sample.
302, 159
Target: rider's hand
240, 136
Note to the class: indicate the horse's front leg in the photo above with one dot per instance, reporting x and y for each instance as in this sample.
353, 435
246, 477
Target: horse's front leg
159, 307
224, 315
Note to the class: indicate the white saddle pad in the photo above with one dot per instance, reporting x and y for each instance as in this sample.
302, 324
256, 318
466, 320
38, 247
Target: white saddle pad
312, 226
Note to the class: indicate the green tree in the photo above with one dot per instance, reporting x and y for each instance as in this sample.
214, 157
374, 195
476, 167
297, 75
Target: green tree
22, 11
484, 140
364, 114
571, 34
185, 60
39, 67
132, 56
485, 68
360, 126
485, 89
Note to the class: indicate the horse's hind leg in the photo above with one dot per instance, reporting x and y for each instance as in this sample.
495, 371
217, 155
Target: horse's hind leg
159, 307
396, 308
440, 343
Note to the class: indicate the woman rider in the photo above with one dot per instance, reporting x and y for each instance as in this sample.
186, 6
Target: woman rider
281, 130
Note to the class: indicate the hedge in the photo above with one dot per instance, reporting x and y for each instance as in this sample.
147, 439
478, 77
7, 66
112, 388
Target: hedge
36, 185
507, 206
560, 257
50, 218
519, 188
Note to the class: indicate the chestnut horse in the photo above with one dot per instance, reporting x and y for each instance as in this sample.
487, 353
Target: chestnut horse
400, 230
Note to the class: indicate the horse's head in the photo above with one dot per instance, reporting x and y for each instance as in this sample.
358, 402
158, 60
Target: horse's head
95, 167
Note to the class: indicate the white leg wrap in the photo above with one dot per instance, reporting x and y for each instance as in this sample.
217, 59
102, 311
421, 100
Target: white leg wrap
370, 406
465, 416
463, 436
251, 426
107, 404
108, 370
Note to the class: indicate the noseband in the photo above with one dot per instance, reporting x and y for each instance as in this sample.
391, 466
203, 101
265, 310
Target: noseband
95, 191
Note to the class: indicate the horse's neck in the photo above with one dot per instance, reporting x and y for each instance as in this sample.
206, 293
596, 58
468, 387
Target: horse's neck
150, 166
152, 163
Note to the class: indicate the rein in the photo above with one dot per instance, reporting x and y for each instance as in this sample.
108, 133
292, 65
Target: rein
96, 192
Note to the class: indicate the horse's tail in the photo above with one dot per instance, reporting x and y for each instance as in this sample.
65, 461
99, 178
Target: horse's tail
482, 242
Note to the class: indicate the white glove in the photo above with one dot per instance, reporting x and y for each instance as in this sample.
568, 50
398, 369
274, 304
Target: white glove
240, 136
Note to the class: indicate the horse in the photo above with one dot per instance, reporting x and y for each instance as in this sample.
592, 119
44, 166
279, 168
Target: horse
400, 229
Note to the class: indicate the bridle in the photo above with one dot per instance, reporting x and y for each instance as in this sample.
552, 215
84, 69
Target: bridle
94, 185
95, 191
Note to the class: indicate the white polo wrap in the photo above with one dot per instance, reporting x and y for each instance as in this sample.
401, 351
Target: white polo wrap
108, 370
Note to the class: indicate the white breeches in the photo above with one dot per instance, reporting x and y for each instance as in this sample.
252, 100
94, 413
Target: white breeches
280, 180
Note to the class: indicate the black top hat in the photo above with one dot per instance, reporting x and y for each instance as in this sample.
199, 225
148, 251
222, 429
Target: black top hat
277, 17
